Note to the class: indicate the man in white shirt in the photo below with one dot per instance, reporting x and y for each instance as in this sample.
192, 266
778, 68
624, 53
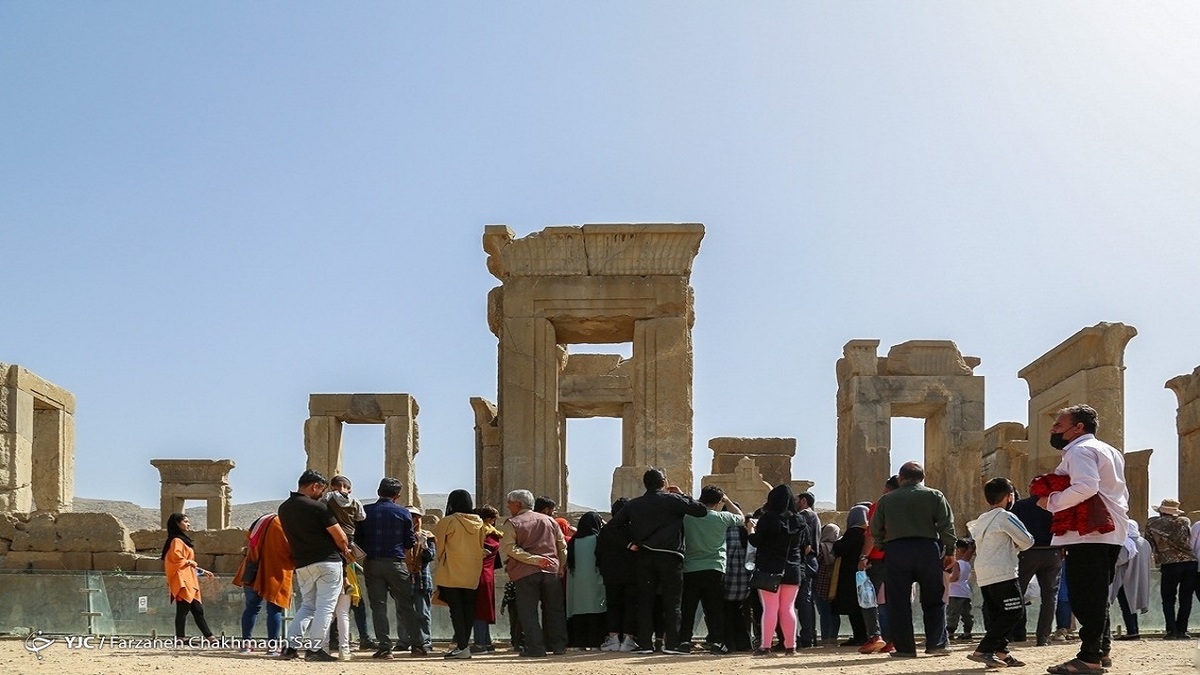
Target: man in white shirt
1095, 468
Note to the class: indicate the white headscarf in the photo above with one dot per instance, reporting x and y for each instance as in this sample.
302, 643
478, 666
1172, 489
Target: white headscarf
1131, 539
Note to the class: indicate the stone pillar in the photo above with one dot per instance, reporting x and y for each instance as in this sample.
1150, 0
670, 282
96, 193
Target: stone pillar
1088, 367
662, 386
206, 479
1187, 424
529, 401
323, 445
53, 480
489, 463
399, 450
864, 428
1137, 480
16, 449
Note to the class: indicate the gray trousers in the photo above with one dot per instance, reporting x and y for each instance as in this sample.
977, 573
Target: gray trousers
390, 577
1046, 564
546, 629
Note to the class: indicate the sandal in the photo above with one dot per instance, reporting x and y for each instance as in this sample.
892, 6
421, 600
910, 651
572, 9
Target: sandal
1075, 667
1013, 662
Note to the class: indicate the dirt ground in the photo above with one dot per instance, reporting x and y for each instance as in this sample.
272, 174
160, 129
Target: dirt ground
1148, 656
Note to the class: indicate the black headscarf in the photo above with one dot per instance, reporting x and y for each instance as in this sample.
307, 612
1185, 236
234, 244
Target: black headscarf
459, 501
174, 531
781, 504
589, 526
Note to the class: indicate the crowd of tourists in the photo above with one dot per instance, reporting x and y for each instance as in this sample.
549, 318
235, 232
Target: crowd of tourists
769, 578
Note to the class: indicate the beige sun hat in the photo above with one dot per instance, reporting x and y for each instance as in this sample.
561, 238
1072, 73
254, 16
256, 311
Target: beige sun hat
1168, 507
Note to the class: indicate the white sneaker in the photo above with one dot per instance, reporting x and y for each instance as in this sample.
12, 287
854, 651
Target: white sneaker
611, 643
627, 645
344, 654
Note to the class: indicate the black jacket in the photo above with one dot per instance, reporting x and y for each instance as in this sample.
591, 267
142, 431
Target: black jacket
778, 536
613, 557
656, 520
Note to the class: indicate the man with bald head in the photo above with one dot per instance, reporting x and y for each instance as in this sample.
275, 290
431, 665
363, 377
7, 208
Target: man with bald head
914, 526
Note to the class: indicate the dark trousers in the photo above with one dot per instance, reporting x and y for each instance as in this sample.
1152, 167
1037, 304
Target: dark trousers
707, 587
182, 609
461, 603
659, 573
1178, 579
1130, 617
1046, 565
1003, 605
959, 609
806, 611
547, 628
736, 633
916, 561
1090, 569
620, 608
390, 578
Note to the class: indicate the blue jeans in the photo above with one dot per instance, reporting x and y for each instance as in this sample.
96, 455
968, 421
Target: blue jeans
830, 623
254, 603
422, 599
483, 634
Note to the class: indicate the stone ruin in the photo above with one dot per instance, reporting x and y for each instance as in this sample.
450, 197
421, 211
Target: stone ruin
593, 284
588, 285
401, 438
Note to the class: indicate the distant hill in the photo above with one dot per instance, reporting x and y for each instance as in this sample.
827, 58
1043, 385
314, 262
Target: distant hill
138, 517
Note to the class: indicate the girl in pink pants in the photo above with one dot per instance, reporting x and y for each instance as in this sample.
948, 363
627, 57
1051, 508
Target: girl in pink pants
779, 537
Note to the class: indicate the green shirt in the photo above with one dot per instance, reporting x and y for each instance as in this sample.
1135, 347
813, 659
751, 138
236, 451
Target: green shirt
704, 540
913, 510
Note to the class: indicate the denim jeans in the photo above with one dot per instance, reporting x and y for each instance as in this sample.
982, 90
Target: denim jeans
422, 601
254, 603
319, 584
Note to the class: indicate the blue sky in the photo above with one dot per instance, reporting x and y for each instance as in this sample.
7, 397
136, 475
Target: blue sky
209, 211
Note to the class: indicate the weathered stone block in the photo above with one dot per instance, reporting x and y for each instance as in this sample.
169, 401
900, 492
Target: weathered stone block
39, 534
8, 526
92, 532
205, 560
149, 564
148, 540
108, 561
724, 445
226, 564
218, 542
76, 560
33, 560
926, 357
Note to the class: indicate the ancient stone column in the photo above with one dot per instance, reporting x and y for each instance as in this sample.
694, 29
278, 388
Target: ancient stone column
662, 385
37, 443
528, 401
16, 450
323, 444
1187, 424
399, 447
489, 464
1137, 480
53, 475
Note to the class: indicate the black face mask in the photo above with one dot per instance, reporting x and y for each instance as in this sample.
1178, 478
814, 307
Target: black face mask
1057, 441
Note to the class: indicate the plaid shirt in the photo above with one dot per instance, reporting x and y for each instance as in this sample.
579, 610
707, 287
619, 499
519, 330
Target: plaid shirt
737, 577
424, 580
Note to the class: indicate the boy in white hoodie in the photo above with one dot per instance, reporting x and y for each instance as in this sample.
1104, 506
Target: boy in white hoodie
999, 536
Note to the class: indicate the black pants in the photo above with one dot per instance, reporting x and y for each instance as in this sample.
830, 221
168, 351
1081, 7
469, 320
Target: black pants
1089, 575
806, 609
1003, 606
544, 592
1046, 564
461, 603
958, 610
391, 578
659, 574
1177, 579
916, 561
707, 587
620, 608
736, 633
1130, 617
182, 608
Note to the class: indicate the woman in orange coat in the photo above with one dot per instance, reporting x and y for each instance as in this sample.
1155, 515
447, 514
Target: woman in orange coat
183, 582
265, 574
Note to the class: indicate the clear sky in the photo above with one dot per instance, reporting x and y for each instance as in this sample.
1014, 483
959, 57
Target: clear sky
209, 211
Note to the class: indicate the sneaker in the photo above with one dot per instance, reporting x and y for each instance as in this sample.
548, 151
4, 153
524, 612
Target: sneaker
318, 655
718, 649
1043, 642
872, 645
903, 655
611, 643
677, 650
289, 654
367, 644
344, 654
644, 650
937, 651
419, 651
789, 651
987, 659
762, 652
384, 653
246, 650
627, 645
1059, 635
457, 653
273, 652
1128, 636
888, 648
482, 649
